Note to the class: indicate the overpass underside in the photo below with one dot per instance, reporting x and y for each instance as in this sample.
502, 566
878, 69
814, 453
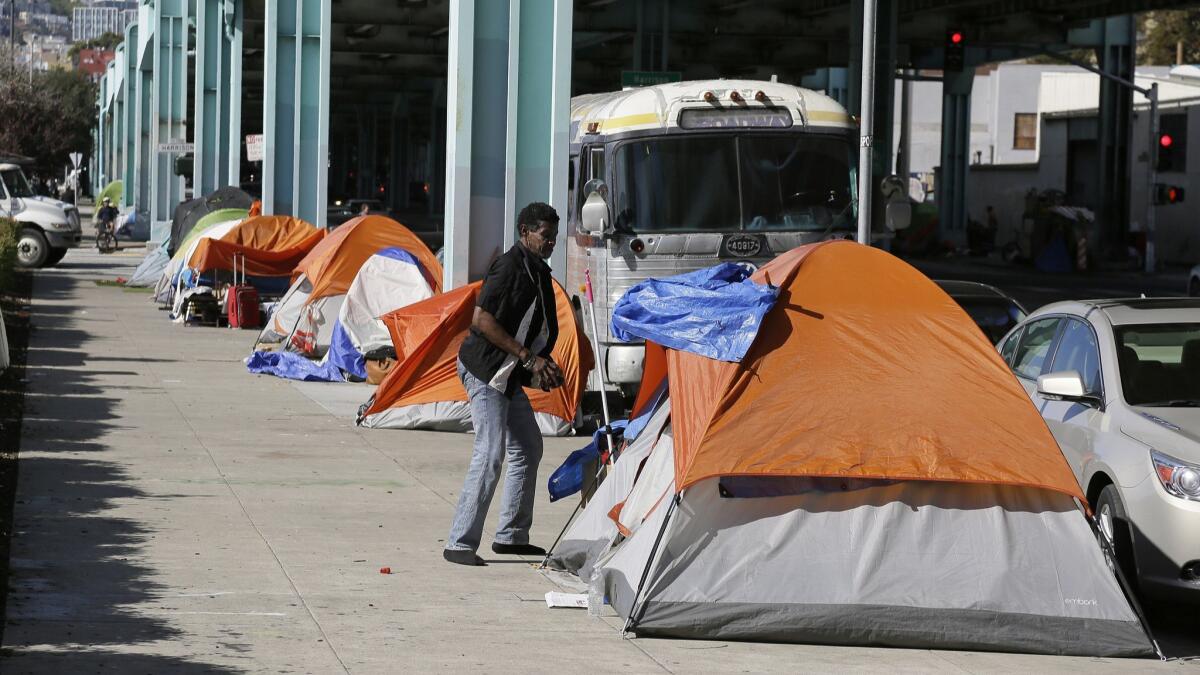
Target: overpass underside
454, 113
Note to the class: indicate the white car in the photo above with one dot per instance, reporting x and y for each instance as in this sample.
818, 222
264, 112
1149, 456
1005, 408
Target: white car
1118, 384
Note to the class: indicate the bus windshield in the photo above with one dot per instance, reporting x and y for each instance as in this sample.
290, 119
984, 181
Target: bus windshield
765, 181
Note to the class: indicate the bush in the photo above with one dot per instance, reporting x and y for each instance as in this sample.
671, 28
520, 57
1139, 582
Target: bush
9, 231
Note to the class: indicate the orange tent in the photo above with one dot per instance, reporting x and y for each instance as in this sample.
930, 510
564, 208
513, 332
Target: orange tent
427, 336
331, 265
271, 245
866, 369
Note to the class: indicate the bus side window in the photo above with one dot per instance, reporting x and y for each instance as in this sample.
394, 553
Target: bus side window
596, 163
571, 210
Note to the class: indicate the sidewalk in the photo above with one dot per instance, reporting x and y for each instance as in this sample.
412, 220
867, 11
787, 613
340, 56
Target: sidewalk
178, 515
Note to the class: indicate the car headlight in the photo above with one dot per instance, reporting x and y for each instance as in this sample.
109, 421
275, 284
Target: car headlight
1177, 477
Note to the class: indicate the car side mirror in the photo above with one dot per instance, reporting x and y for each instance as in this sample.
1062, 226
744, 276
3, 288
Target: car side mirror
593, 217
1065, 385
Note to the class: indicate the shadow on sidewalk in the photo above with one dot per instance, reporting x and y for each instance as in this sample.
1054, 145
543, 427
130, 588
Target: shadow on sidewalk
78, 590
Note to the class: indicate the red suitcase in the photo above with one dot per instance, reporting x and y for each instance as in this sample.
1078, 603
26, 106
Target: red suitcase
241, 299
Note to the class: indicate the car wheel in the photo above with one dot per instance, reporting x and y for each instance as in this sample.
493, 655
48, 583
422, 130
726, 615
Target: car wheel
56, 255
32, 249
1116, 529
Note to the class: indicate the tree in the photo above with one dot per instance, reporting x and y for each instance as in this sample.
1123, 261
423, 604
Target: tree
108, 41
1162, 34
48, 119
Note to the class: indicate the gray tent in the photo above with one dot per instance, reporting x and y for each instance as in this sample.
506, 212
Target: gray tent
188, 213
919, 564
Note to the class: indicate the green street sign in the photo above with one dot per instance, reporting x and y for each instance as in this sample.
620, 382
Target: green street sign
646, 78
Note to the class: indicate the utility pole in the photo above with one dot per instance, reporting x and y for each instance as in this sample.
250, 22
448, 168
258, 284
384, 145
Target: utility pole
865, 122
1152, 174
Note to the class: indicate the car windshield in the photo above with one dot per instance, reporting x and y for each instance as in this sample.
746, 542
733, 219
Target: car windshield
1160, 364
994, 316
769, 182
14, 180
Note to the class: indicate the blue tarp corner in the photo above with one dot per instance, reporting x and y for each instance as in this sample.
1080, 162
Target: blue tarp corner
715, 312
293, 367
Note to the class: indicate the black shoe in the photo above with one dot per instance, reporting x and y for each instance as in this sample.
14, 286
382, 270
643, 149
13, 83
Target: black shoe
517, 549
463, 558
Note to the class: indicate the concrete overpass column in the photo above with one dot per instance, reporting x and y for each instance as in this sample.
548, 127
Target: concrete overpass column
168, 110
120, 101
130, 111
956, 149
1115, 55
217, 98
502, 158
296, 108
539, 111
103, 160
143, 83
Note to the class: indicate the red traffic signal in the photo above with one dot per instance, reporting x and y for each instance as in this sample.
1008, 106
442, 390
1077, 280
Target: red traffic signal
1167, 194
956, 37
1165, 140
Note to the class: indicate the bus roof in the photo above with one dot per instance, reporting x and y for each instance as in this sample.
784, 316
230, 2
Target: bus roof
658, 107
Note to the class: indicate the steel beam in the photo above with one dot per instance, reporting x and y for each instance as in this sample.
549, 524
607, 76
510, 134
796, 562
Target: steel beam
230, 91
218, 51
956, 149
168, 110
1114, 56
296, 108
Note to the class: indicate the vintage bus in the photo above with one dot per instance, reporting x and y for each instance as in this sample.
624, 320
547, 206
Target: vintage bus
678, 177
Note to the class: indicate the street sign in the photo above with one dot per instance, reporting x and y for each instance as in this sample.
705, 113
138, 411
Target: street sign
646, 78
174, 147
76, 158
254, 148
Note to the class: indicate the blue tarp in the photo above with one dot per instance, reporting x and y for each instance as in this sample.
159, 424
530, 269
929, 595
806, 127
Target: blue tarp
567, 479
293, 367
714, 312
343, 354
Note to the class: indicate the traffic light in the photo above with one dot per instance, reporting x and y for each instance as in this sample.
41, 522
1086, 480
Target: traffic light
1172, 143
955, 43
1167, 194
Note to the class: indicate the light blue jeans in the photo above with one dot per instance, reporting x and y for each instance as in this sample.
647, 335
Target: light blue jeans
503, 428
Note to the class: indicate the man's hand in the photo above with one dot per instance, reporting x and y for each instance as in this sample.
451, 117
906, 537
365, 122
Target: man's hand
546, 373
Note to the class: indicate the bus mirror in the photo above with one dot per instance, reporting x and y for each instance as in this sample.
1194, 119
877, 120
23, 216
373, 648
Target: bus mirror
898, 215
594, 215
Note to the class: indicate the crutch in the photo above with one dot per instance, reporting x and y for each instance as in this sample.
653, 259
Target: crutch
587, 289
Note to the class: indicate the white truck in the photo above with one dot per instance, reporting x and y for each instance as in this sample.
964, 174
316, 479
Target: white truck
48, 226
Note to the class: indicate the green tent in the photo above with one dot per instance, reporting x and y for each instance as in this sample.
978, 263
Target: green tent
113, 191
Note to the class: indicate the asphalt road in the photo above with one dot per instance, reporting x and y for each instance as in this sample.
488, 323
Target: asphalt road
1034, 289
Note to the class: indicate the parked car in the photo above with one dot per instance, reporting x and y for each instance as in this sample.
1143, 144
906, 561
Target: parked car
1118, 384
994, 311
1194, 282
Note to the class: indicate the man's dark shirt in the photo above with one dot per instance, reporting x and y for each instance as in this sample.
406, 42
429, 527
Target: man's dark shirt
519, 293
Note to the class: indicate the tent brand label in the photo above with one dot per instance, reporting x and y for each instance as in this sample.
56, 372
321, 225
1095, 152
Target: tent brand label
1091, 602
743, 245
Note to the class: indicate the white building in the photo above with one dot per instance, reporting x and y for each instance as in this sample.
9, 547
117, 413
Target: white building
90, 23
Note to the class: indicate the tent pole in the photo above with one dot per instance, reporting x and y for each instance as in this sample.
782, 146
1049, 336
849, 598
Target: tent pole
578, 506
1122, 581
636, 611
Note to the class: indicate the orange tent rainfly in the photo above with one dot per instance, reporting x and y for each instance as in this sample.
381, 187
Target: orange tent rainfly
864, 368
271, 246
303, 321
422, 391
869, 473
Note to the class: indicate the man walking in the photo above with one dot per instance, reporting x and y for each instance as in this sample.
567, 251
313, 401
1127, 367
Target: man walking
512, 334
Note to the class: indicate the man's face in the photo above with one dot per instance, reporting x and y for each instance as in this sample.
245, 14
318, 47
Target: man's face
540, 240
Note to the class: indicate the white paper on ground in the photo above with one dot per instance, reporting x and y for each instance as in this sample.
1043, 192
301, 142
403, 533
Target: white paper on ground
573, 600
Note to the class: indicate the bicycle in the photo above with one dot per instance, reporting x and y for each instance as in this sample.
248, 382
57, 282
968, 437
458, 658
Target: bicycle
106, 241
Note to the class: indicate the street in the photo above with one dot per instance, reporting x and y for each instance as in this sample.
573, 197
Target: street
176, 515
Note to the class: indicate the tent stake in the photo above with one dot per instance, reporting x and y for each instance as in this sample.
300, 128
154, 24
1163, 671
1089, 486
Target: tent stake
636, 611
